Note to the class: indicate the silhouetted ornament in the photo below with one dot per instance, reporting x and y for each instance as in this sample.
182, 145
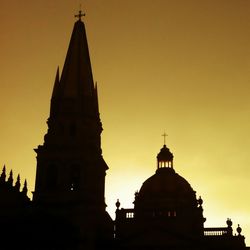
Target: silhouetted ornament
118, 204
10, 179
25, 189
136, 193
17, 185
229, 222
136, 196
239, 229
200, 201
3, 175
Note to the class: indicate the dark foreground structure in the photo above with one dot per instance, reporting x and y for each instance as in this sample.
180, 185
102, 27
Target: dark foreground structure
68, 209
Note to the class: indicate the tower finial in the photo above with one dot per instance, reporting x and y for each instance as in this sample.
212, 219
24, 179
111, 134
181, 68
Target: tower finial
164, 135
25, 189
17, 185
3, 175
80, 14
10, 179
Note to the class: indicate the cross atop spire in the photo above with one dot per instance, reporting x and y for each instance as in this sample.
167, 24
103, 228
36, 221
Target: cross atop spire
164, 135
80, 14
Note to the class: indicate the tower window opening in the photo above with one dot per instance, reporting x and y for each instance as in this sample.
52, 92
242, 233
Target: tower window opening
130, 215
165, 164
72, 186
165, 158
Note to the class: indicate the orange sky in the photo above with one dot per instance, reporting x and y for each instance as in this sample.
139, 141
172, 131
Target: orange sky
177, 66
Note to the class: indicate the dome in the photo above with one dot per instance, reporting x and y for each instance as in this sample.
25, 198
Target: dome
166, 183
165, 189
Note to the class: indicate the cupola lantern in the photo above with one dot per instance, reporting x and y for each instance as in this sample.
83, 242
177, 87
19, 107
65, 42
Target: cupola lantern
165, 158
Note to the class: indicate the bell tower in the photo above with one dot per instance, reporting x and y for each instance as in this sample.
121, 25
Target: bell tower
70, 166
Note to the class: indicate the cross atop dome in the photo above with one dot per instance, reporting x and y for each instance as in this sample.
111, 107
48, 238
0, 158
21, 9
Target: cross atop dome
164, 135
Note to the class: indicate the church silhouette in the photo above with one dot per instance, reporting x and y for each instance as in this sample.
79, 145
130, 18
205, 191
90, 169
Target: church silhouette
68, 209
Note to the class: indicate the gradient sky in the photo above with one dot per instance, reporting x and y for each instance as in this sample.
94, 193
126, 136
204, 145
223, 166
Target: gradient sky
177, 66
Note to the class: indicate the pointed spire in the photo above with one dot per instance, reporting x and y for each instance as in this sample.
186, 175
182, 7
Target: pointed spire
76, 75
3, 175
74, 91
25, 189
56, 84
10, 179
17, 185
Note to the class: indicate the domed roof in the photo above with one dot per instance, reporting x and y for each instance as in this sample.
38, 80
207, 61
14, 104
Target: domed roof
165, 189
166, 182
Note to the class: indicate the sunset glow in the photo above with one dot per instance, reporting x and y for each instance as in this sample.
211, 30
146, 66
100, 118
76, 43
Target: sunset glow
182, 67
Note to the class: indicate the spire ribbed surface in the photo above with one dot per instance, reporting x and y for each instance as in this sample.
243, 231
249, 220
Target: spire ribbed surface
74, 91
76, 78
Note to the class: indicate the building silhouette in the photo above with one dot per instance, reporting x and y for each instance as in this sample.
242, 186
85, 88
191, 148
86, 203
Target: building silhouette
167, 215
68, 209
